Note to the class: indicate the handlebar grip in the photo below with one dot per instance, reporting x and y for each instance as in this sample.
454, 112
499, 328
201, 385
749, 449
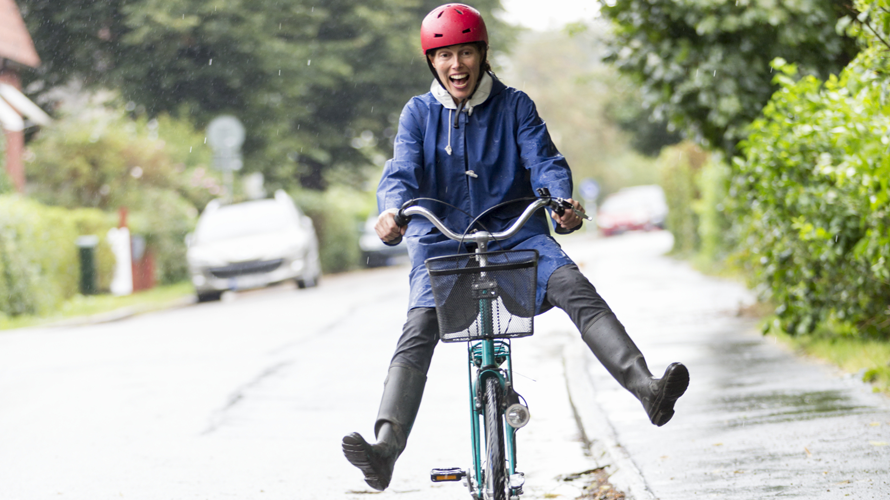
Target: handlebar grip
401, 219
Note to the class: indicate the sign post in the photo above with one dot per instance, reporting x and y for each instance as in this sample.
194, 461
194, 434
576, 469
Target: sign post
226, 135
590, 191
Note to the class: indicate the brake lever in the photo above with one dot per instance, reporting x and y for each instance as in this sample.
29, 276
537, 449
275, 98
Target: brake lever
562, 204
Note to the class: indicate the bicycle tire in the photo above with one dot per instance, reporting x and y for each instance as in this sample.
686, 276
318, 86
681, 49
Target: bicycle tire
495, 466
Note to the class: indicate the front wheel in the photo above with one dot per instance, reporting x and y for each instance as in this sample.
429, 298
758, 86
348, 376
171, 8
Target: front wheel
495, 466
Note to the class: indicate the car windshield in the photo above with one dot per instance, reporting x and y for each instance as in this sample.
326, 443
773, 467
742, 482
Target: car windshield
243, 219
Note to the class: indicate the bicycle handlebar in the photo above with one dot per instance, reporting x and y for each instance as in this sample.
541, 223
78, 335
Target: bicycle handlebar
481, 238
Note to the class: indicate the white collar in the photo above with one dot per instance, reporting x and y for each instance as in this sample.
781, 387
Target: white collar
480, 96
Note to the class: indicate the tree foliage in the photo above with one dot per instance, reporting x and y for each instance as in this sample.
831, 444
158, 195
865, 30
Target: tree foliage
576, 94
704, 64
317, 84
813, 190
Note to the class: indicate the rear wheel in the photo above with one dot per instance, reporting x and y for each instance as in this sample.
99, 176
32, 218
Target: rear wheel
495, 466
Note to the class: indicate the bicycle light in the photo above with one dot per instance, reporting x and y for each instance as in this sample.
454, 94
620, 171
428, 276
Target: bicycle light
517, 415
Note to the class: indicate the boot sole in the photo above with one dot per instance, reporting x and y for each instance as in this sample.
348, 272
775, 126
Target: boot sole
360, 454
676, 380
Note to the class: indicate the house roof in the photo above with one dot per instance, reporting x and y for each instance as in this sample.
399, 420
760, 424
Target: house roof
15, 42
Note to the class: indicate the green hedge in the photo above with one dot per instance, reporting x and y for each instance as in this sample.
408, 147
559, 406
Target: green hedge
814, 198
338, 215
39, 262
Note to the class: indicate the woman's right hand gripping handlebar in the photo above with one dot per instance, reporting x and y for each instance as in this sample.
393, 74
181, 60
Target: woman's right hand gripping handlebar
388, 229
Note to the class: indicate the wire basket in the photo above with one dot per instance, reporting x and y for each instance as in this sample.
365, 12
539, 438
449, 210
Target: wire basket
494, 301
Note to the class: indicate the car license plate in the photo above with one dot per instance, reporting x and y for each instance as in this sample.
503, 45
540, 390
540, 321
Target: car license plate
247, 281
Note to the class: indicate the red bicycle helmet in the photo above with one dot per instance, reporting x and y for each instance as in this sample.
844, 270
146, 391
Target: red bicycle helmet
452, 24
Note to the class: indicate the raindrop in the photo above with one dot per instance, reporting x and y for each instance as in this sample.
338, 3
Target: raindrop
130, 106
313, 9
298, 126
696, 73
279, 25
309, 62
715, 73
183, 16
190, 149
372, 109
211, 62
279, 72
136, 172
205, 140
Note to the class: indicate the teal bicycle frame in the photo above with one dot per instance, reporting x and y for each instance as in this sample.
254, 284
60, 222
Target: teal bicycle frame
487, 355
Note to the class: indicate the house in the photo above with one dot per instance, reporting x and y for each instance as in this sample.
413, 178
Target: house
16, 51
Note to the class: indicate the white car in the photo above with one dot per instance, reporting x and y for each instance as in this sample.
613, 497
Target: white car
376, 253
251, 245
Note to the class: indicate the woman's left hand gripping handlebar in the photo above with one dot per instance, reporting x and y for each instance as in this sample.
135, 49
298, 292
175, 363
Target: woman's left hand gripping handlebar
571, 218
387, 229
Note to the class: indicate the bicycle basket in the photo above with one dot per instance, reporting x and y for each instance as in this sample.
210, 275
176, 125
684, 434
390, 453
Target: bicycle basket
494, 301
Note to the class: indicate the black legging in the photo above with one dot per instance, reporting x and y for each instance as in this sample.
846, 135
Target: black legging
567, 289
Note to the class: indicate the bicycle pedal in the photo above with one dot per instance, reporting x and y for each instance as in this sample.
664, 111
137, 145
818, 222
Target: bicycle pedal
443, 475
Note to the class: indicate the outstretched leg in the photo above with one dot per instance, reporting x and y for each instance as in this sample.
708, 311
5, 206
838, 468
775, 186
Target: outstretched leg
402, 392
606, 337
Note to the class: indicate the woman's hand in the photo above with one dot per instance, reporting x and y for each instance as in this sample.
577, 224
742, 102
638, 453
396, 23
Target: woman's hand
386, 227
571, 218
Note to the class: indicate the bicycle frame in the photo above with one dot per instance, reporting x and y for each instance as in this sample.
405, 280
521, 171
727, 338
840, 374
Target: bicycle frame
487, 355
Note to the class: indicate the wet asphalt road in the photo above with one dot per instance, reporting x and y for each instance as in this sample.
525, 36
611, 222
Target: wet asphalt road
249, 398
757, 422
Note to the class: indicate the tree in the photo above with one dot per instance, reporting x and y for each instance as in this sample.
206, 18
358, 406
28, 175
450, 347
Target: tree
313, 82
704, 64
813, 191
575, 92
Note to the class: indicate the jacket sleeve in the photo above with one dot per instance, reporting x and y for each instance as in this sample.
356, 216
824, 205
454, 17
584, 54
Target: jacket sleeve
403, 173
547, 166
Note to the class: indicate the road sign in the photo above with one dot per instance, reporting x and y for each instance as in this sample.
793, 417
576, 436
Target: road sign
225, 133
590, 189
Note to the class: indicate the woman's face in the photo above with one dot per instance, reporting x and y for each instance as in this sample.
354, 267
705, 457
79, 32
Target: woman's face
458, 67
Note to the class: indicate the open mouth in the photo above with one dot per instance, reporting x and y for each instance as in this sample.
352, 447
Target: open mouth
459, 81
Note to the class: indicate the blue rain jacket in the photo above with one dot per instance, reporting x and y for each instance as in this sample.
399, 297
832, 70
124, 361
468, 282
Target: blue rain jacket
500, 151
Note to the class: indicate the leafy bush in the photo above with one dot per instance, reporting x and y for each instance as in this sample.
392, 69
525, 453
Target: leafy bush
814, 198
337, 214
100, 157
39, 262
679, 168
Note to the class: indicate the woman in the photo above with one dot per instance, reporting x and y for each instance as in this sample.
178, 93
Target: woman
473, 143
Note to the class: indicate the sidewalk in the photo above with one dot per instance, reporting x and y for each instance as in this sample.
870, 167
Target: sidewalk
757, 422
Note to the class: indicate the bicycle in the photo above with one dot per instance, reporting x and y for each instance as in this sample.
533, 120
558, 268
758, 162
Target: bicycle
485, 299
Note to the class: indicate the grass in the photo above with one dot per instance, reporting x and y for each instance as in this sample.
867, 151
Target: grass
868, 358
81, 306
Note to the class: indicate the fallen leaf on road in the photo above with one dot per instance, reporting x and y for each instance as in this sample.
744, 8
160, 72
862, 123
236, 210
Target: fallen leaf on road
809, 454
877, 443
875, 424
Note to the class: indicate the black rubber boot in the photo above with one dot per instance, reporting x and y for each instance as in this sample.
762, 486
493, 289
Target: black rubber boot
614, 348
402, 392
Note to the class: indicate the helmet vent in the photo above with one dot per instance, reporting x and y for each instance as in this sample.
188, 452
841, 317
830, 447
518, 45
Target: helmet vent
440, 14
438, 35
466, 30
459, 11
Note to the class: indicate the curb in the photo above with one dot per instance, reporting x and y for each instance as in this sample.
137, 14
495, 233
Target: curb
597, 432
119, 314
